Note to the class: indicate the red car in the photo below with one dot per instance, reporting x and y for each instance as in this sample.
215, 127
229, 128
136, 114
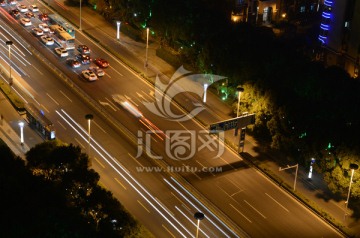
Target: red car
101, 63
44, 17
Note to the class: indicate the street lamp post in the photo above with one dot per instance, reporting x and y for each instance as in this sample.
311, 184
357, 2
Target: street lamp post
239, 90
118, 24
289, 167
21, 124
198, 216
80, 16
147, 47
89, 117
9, 44
205, 89
353, 167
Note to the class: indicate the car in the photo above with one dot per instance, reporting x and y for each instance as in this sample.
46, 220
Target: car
37, 31
44, 17
73, 63
89, 75
62, 52
122, 101
101, 63
22, 8
47, 40
44, 27
83, 49
25, 22
99, 72
12, 2
2, 3
15, 13
84, 59
33, 8
29, 15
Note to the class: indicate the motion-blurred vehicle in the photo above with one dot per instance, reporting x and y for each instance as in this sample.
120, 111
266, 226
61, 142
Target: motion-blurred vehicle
122, 101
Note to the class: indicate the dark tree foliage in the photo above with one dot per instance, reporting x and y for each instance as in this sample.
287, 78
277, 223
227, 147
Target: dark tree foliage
32, 207
67, 167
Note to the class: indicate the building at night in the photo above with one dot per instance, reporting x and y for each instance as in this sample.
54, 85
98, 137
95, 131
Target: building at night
339, 34
269, 11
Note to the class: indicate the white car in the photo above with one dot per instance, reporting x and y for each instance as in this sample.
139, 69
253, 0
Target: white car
62, 52
99, 72
33, 8
25, 22
89, 75
12, 2
38, 31
22, 8
44, 27
47, 40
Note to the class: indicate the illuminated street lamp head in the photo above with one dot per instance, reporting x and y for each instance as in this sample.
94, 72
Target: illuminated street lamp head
199, 216
239, 89
21, 124
89, 117
354, 166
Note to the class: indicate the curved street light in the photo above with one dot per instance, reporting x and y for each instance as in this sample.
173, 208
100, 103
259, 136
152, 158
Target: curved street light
353, 167
80, 16
239, 89
118, 25
89, 117
9, 43
198, 216
147, 47
21, 124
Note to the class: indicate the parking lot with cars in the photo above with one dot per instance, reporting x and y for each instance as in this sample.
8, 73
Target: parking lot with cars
36, 21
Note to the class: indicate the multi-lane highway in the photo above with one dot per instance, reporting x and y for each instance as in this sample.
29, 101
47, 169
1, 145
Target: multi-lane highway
149, 197
163, 193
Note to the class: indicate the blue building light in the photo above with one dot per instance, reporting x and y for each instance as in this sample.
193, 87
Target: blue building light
321, 39
326, 16
324, 27
328, 3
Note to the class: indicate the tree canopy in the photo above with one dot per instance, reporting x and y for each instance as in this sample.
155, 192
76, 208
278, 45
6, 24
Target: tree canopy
56, 195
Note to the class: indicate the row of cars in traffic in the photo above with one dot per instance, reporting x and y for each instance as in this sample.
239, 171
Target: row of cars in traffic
45, 32
83, 58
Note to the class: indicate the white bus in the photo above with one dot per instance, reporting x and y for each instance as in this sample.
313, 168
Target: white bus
62, 38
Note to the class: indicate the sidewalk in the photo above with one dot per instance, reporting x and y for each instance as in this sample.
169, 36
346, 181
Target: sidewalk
314, 190
10, 130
